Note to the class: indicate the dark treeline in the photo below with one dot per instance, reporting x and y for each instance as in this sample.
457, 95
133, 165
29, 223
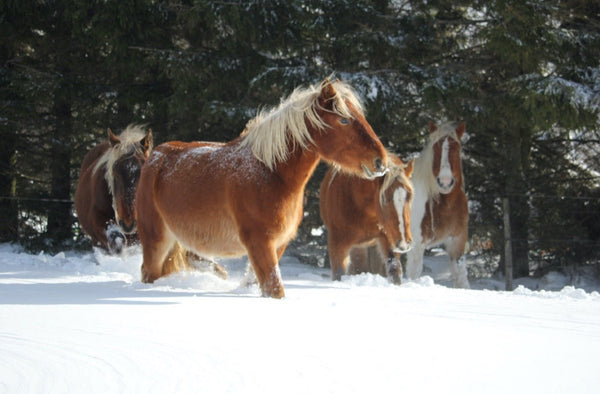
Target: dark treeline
524, 75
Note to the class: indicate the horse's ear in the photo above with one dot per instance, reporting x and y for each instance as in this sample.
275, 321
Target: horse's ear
148, 142
408, 170
432, 127
460, 130
327, 94
113, 139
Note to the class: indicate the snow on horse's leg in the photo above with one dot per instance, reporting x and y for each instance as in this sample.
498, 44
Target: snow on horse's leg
458, 269
249, 278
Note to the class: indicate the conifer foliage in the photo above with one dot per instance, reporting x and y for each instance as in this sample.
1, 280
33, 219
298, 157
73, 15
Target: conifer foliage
524, 75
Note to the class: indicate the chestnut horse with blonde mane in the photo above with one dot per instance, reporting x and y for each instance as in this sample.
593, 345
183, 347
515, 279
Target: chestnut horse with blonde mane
108, 178
360, 213
245, 197
440, 213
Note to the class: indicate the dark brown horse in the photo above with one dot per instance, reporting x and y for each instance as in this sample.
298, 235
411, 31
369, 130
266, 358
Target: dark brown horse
108, 178
359, 213
245, 197
440, 213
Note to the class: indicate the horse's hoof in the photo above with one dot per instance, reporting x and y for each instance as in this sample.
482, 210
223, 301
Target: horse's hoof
278, 293
147, 278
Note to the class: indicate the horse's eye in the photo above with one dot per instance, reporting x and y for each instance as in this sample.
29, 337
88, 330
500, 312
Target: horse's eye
344, 121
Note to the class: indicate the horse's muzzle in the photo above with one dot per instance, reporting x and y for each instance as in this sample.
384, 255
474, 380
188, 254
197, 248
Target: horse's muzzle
445, 184
378, 169
403, 247
127, 229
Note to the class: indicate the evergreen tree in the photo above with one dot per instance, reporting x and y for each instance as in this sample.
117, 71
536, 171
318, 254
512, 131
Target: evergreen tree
516, 85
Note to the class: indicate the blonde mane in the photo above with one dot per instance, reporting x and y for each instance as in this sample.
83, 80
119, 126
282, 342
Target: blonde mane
395, 171
130, 143
423, 164
272, 132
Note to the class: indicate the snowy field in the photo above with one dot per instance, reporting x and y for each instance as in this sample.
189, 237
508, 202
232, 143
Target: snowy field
83, 323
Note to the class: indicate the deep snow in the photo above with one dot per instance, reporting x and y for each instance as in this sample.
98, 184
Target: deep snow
83, 323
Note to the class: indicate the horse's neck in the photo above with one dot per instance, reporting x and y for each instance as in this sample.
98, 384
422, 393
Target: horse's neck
297, 170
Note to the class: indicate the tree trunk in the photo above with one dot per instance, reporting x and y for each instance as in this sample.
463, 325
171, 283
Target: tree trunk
9, 223
516, 191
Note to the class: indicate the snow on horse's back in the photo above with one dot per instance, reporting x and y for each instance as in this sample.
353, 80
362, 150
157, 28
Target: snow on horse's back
246, 196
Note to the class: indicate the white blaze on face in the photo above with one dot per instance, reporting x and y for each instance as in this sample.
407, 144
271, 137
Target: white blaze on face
445, 175
399, 201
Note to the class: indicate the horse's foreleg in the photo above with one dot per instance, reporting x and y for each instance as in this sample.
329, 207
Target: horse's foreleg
458, 270
414, 262
157, 243
393, 266
338, 258
263, 258
455, 248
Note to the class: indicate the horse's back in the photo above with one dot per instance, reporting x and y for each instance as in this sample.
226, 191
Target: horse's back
184, 186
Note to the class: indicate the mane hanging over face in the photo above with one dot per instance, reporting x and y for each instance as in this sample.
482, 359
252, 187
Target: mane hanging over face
272, 132
423, 164
129, 142
396, 172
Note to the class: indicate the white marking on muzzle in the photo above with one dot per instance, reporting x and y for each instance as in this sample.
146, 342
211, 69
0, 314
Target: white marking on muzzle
445, 175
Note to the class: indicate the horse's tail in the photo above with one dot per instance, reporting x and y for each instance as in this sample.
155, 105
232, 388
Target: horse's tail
176, 260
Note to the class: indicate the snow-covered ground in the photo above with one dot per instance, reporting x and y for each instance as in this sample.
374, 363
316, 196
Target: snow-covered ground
83, 323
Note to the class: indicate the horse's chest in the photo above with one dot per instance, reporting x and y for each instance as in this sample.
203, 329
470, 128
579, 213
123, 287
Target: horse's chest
443, 221
289, 218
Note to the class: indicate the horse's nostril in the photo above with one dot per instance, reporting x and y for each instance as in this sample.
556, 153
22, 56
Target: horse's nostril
127, 228
378, 164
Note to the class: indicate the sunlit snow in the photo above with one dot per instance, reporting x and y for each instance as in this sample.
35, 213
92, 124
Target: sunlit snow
83, 323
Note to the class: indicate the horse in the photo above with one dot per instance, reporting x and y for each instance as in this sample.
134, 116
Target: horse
245, 197
440, 213
360, 213
108, 178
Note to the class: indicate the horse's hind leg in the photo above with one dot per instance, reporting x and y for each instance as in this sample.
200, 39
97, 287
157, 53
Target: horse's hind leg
414, 262
358, 262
